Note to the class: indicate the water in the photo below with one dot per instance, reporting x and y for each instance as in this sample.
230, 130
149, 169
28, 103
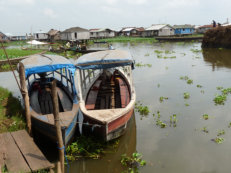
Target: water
180, 149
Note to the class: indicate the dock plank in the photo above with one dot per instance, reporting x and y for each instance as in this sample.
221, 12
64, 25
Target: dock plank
14, 160
34, 157
2, 151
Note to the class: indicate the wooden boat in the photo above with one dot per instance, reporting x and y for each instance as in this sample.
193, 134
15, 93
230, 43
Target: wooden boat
40, 71
106, 92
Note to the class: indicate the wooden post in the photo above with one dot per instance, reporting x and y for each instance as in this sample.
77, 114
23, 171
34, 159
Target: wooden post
24, 92
57, 124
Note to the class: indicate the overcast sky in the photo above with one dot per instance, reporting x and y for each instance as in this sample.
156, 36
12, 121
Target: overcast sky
21, 16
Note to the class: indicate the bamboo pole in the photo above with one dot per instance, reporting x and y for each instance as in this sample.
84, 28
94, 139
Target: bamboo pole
25, 96
57, 124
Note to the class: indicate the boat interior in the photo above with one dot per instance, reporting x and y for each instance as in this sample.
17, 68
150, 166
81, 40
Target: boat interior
41, 99
109, 91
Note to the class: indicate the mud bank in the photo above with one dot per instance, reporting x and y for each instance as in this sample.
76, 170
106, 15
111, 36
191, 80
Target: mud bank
217, 38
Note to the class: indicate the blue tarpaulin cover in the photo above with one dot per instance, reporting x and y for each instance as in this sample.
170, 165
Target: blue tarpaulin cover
46, 63
104, 59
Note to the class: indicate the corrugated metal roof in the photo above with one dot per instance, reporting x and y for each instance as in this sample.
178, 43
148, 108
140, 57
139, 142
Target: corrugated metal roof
128, 29
53, 32
76, 29
100, 30
157, 27
183, 26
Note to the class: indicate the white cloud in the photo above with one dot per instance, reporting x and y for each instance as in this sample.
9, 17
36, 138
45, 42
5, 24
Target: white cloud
137, 2
49, 13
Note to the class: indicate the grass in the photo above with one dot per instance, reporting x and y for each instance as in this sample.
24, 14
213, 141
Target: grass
16, 43
129, 39
16, 53
11, 112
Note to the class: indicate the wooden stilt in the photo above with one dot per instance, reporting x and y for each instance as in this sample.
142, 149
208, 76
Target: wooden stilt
57, 124
24, 92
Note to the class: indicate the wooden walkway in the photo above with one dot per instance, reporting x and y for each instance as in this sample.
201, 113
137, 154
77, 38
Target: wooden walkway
19, 153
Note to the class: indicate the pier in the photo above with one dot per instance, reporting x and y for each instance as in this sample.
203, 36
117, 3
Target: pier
19, 153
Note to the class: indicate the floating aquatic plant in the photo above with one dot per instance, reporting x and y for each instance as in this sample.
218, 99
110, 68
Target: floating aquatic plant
204, 129
186, 95
143, 110
199, 86
220, 99
190, 81
163, 98
205, 116
221, 132
219, 140
132, 163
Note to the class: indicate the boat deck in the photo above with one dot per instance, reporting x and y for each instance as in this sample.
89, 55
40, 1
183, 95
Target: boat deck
19, 153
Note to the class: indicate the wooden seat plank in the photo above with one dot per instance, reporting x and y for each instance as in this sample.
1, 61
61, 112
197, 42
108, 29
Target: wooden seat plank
64, 99
14, 160
34, 157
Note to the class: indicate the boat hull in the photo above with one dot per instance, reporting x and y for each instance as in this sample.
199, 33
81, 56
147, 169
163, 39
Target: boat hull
107, 131
49, 130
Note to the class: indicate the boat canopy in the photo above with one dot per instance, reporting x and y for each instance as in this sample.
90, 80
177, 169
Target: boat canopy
41, 63
104, 59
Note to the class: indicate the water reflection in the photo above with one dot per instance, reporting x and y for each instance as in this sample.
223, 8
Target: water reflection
110, 163
217, 58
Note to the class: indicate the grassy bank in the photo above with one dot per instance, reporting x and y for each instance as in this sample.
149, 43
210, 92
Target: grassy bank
16, 53
16, 43
129, 39
11, 112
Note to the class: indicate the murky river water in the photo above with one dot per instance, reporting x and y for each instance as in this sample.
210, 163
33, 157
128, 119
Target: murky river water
180, 149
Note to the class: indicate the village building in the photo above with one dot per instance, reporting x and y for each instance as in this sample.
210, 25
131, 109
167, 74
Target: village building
3, 37
184, 29
41, 35
53, 35
136, 32
126, 31
203, 29
158, 30
74, 34
102, 33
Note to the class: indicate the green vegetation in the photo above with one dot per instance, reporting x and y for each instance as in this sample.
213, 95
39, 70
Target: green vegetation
205, 116
219, 88
16, 53
219, 140
132, 163
139, 64
186, 95
158, 51
163, 98
229, 125
220, 99
11, 112
186, 78
196, 50
130, 39
186, 104
143, 110
199, 86
190, 81
173, 120
147, 54
89, 147
204, 129
221, 132
16, 43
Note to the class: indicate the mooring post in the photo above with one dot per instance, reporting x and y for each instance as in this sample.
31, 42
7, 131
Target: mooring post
24, 92
57, 125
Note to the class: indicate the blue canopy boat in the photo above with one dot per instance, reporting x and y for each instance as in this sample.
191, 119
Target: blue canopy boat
40, 71
106, 92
